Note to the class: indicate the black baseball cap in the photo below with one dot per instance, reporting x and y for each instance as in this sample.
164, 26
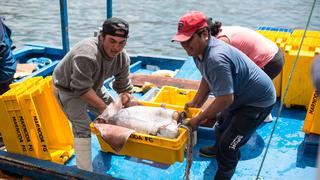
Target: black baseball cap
112, 25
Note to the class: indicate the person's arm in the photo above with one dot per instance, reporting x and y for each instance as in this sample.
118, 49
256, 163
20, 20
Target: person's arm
94, 100
219, 75
201, 95
82, 82
218, 105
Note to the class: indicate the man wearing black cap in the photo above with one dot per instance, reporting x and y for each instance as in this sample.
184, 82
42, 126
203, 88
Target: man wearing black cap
78, 81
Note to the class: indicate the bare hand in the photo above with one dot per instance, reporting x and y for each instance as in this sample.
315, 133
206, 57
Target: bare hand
190, 105
128, 100
193, 123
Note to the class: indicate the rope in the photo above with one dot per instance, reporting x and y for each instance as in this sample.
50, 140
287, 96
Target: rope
286, 91
189, 151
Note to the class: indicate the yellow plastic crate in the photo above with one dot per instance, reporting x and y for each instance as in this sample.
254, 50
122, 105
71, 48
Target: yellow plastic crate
10, 128
309, 33
301, 88
279, 37
174, 96
35, 124
312, 120
16, 135
309, 44
53, 139
154, 148
29, 82
276, 36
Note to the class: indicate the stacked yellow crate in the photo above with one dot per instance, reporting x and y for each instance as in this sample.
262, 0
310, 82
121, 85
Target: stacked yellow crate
312, 120
279, 36
301, 88
33, 123
311, 34
15, 136
174, 96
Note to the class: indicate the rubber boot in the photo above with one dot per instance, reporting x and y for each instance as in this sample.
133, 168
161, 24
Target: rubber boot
82, 148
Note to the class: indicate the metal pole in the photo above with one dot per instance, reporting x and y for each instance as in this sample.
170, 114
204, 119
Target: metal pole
109, 8
64, 25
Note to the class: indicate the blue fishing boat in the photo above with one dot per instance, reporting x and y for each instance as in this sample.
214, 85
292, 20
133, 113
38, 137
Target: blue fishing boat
288, 154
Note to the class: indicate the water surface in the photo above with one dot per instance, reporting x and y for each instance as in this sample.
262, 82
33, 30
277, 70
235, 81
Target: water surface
152, 23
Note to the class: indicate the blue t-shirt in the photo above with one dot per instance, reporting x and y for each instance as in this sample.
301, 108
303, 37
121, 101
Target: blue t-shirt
228, 71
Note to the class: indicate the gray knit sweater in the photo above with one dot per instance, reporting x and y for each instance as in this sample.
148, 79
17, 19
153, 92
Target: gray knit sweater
87, 66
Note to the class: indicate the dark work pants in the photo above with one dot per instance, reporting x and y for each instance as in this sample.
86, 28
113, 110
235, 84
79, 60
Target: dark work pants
4, 86
235, 129
274, 66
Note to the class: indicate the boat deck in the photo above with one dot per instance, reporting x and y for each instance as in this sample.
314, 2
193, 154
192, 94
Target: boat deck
287, 158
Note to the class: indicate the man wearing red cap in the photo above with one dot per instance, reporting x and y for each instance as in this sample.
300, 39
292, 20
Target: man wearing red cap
244, 94
78, 81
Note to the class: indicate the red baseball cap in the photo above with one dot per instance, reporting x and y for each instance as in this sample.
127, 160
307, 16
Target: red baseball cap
189, 24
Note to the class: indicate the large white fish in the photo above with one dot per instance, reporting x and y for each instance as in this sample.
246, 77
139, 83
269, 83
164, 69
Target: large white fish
143, 119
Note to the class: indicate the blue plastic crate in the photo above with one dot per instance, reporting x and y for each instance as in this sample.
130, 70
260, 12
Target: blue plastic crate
266, 28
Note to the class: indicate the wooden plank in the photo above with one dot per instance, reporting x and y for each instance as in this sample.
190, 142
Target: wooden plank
159, 81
